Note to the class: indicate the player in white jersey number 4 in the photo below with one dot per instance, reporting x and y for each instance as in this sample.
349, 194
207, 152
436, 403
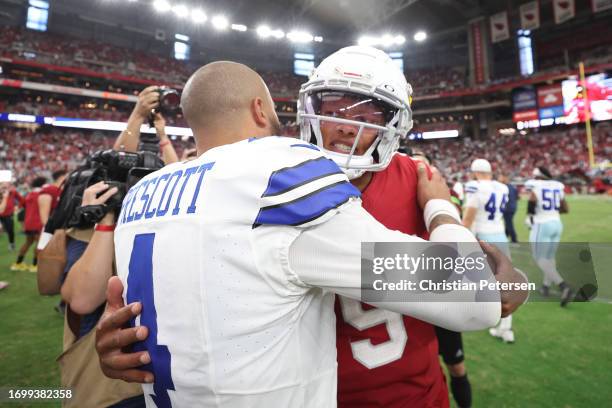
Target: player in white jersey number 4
235, 258
546, 202
485, 201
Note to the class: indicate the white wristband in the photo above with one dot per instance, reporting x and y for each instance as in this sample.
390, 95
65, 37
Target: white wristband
439, 206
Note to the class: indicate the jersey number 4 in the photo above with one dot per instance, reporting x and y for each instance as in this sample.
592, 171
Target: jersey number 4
364, 351
491, 205
140, 289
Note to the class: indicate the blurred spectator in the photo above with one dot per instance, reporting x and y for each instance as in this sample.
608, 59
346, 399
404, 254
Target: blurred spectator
31, 226
12, 197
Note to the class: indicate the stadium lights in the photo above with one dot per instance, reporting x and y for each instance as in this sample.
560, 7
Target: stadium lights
219, 22
198, 16
180, 10
420, 36
264, 32
386, 40
162, 6
181, 37
300, 37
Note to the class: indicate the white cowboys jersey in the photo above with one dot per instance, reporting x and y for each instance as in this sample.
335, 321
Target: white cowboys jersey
230, 324
549, 194
489, 197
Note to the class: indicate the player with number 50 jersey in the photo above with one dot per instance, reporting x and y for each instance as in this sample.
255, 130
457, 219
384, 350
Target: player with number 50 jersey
546, 201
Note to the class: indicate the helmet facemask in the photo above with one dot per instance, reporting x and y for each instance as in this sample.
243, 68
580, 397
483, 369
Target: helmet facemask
366, 116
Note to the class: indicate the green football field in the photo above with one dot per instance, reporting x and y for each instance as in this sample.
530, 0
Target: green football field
561, 358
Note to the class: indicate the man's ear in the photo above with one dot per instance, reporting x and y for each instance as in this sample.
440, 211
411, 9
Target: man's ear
258, 112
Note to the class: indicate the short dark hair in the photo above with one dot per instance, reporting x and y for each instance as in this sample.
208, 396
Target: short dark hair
58, 173
38, 182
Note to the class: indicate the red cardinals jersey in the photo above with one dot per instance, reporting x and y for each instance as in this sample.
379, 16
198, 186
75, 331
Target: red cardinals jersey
10, 204
386, 359
54, 191
32, 216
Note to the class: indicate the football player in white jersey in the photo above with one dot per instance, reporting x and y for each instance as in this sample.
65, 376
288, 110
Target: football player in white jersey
235, 257
485, 200
546, 202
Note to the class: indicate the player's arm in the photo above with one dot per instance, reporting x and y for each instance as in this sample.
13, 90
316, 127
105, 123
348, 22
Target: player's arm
44, 207
3, 200
469, 215
148, 100
18, 197
470, 206
328, 255
531, 205
85, 284
564, 208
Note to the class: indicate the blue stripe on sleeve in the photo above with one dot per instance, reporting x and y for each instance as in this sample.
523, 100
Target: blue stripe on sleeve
308, 207
306, 145
289, 178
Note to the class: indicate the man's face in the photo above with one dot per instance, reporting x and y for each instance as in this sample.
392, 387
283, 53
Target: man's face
339, 137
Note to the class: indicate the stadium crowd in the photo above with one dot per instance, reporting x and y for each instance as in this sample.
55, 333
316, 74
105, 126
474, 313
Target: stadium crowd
93, 109
104, 58
28, 153
562, 149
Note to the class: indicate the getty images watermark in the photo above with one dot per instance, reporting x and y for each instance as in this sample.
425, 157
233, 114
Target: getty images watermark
461, 272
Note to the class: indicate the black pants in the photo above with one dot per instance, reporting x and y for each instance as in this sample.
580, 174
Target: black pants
450, 345
9, 227
509, 222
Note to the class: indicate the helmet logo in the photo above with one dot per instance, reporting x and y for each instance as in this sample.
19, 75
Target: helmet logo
352, 74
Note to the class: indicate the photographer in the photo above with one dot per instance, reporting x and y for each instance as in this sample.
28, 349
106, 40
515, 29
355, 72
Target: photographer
89, 264
89, 251
147, 109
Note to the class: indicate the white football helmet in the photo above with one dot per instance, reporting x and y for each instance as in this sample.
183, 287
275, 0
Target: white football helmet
369, 76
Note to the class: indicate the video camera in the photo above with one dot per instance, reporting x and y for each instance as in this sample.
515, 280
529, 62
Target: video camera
117, 169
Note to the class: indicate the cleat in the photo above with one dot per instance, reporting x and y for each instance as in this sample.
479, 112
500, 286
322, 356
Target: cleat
508, 336
544, 291
495, 332
32, 268
18, 266
566, 296
11, 247
3, 284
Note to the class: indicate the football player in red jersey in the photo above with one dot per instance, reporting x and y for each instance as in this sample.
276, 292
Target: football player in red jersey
360, 101
356, 106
